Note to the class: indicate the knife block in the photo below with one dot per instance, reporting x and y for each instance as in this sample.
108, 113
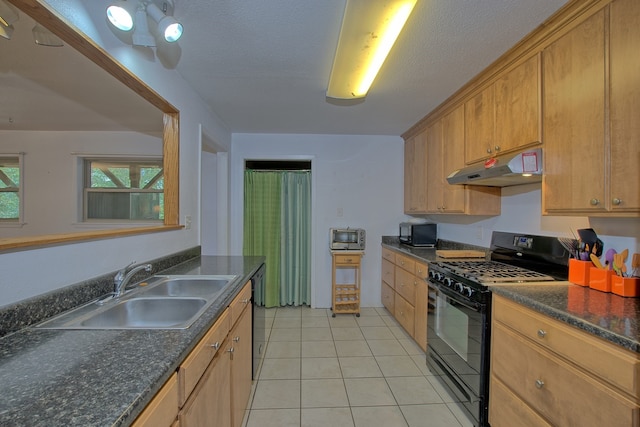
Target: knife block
579, 271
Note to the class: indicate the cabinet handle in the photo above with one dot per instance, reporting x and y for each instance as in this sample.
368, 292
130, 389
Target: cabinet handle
616, 201
594, 202
230, 351
236, 339
497, 147
245, 301
539, 384
489, 150
216, 345
401, 262
542, 333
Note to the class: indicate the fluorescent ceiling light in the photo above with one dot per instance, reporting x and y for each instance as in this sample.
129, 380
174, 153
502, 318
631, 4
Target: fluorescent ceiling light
6, 31
8, 13
369, 30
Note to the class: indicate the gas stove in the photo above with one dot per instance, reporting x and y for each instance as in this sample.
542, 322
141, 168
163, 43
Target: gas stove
515, 258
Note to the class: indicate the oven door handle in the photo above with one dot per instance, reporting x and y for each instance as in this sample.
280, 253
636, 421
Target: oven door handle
460, 299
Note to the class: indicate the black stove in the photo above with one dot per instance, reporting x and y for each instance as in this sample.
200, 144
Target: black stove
515, 258
459, 316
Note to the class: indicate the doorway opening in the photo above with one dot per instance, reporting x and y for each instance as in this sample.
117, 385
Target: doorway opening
277, 225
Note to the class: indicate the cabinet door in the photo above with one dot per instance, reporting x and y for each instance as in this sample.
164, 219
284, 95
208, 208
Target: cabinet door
163, 408
479, 126
453, 196
415, 181
574, 108
241, 372
388, 298
625, 104
405, 314
434, 167
517, 96
210, 402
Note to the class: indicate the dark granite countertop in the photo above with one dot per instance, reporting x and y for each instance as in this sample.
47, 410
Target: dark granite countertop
606, 315
102, 377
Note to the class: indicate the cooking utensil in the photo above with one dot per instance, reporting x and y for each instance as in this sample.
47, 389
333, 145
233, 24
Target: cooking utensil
596, 261
592, 244
635, 265
622, 261
571, 245
609, 258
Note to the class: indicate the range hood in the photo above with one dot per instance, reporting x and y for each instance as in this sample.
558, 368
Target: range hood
511, 169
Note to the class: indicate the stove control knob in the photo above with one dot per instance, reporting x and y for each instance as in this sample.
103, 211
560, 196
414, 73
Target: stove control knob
468, 290
459, 287
436, 275
448, 281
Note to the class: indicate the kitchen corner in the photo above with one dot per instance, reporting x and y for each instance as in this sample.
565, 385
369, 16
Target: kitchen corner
104, 377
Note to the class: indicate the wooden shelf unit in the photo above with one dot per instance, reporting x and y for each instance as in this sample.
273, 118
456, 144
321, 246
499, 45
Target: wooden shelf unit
345, 297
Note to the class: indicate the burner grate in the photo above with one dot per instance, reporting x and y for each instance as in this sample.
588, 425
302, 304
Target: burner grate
494, 272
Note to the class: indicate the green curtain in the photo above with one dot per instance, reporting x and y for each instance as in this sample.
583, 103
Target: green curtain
277, 225
262, 192
295, 264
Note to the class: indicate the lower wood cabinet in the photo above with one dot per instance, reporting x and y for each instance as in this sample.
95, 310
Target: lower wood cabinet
212, 385
544, 372
404, 292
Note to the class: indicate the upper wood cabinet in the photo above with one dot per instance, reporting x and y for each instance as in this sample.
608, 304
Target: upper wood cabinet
505, 116
624, 45
445, 153
415, 179
591, 158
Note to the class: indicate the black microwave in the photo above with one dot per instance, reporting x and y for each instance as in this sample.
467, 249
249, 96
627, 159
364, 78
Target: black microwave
425, 235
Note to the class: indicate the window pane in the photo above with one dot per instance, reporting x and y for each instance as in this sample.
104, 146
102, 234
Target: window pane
125, 205
125, 174
9, 173
9, 205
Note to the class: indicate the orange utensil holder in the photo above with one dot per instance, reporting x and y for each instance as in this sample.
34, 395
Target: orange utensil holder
579, 271
600, 279
625, 286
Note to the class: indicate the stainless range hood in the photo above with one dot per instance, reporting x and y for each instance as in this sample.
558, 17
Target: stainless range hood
511, 169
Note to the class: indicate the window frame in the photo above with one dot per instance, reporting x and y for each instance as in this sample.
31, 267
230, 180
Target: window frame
85, 182
16, 222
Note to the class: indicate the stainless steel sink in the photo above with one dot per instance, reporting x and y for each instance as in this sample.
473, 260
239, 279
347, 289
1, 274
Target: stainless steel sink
186, 286
147, 313
165, 302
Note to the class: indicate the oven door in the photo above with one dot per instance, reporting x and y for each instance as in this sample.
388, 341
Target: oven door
457, 349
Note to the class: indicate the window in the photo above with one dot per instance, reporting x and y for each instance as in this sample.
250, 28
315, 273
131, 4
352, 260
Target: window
118, 189
10, 195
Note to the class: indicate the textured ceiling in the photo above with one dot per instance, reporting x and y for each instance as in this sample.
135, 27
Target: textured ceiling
263, 65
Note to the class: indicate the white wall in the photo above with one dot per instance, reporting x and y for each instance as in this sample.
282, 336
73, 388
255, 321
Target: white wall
28, 273
52, 180
521, 212
362, 175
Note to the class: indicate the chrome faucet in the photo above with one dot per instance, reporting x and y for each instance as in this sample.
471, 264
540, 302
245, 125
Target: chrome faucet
122, 278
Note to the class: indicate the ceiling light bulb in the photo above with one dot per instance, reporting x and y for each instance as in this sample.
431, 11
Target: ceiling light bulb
120, 17
173, 31
168, 26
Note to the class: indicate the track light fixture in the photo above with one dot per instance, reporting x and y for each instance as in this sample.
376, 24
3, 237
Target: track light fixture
127, 15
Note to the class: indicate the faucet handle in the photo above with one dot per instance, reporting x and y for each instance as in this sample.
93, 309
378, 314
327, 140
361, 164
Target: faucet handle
121, 273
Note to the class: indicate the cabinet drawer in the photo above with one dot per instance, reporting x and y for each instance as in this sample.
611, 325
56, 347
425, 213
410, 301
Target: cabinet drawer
610, 363
405, 314
421, 270
242, 300
196, 363
406, 285
163, 409
559, 392
388, 297
507, 410
389, 255
347, 259
388, 272
406, 263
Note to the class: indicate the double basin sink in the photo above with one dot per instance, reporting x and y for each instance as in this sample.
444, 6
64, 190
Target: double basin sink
163, 302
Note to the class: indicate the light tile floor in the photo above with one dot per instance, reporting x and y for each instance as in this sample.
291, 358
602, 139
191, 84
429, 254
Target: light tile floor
345, 371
